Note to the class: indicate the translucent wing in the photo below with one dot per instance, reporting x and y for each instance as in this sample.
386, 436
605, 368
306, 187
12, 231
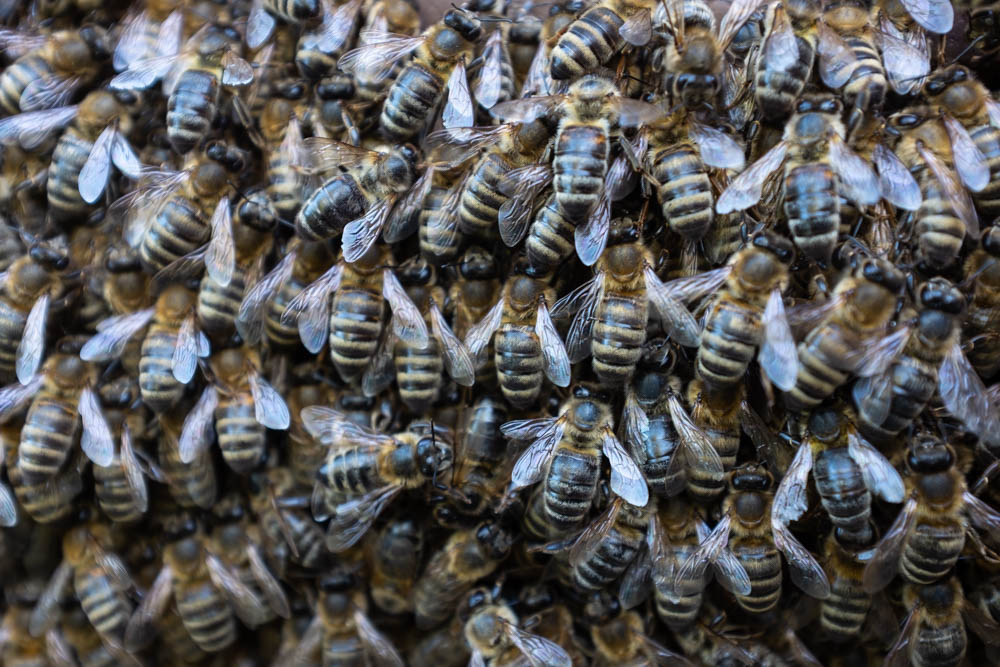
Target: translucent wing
246, 604
380, 371
882, 567
196, 434
777, 356
329, 154
717, 148
539, 651
626, 478
697, 446
220, 258
32, 344
635, 113
191, 344
781, 49
933, 15
528, 429
970, 163
731, 574
458, 109
735, 17
677, 320
745, 190
133, 472
637, 28
14, 396
375, 642
404, 219
30, 129
523, 185
527, 109
124, 157
58, 650
360, 235
873, 397
269, 585
250, 319
898, 654
311, 308
791, 500
906, 61
690, 576
836, 59
537, 81
806, 572
457, 360
556, 366
880, 477
458, 144
692, 288
476, 659
488, 82
8, 507
49, 91
896, 183
480, 334
131, 46
268, 406
333, 429
992, 110
16, 43
530, 466
338, 25
587, 541
97, 169
143, 74
375, 60
96, 441
856, 176
623, 172
260, 25
581, 329
982, 515
955, 193
46, 610
235, 70
636, 423
964, 394
353, 518
407, 321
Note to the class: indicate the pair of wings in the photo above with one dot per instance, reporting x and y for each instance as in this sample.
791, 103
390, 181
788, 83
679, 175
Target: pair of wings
538, 651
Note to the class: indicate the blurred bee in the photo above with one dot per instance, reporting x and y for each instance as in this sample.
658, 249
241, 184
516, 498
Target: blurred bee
847, 472
248, 405
934, 631
394, 556
438, 62
305, 454
924, 542
843, 615
261, 20
51, 68
471, 295
286, 153
154, 32
318, 49
983, 269
493, 80
400, 17
527, 343
673, 535
621, 637
491, 631
650, 431
45, 502
170, 349
982, 32
597, 34
565, 454
538, 79
466, 557
287, 531
121, 488
75, 636
365, 470
20, 649
785, 63
190, 484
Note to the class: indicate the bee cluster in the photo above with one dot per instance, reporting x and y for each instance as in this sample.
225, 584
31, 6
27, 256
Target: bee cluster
329, 338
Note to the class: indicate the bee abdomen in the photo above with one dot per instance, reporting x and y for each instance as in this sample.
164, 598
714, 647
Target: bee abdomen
114, 494
518, 357
12, 323
191, 109
763, 564
842, 491
49, 433
778, 90
930, 551
412, 96
550, 240
217, 305
939, 645
661, 445
176, 230
345, 651
569, 490
242, 438
16, 77
45, 502
419, 375
914, 382
279, 333
813, 209
728, 344
609, 560
482, 198
939, 230
285, 187
206, 616
157, 385
685, 193
352, 472
818, 378
62, 186
190, 484
987, 140
355, 325
618, 334
106, 607
328, 210
677, 611
578, 169
437, 245
843, 614
589, 43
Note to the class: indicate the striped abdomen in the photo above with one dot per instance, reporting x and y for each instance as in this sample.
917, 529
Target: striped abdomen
931, 550
728, 344
157, 384
866, 86
62, 186
412, 97
550, 240
987, 140
330, 207
704, 483
16, 77
206, 615
685, 193
438, 245
218, 306
939, 229
518, 358
191, 484
609, 560
343, 650
914, 382
191, 109
419, 374
49, 433
481, 200
578, 168
351, 472
939, 645
589, 43
48, 501
813, 209
242, 439
114, 494
106, 606
982, 317
843, 614
845, 497
174, 636
677, 610
618, 334
278, 332
660, 445
178, 229
12, 322
820, 356
777, 90
306, 533
284, 189
355, 325
568, 490
763, 563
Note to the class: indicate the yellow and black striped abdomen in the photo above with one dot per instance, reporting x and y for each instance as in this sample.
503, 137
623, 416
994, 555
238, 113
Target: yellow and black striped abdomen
217, 305
821, 356
812, 207
518, 357
589, 43
326, 212
285, 186
206, 615
866, 85
355, 325
12, 322
157, 385
343, 650
48, 501
62, 186
609, 559
763, 563
438, 245
481, 200
49, 434
568, 490
191, 109
777, 90
419, 374
685, 193
412, 97
618, 334
191, 484
351, 472
728, 344
550, 240
16, 77
676, 610
105, 605
242, 438
178, 229
987, 139
931, 550
939, 229
114, 495
278, 332
843, 494
578, 168
843, 614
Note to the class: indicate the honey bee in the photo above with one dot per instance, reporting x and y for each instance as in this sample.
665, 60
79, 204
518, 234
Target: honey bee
20, 649
538, 79
248, 405
76, 636
51, 68
527, 343
494, 80
287, 531
219, 304
650, 431
439, 53
847, 471
190, 484
924, 542
492, 632
365, 470
394, 555
121, 488
904, 46
786, 60
621, 636
597, 34
466, 557
318, 50
438, 219
473, 294
46, 502
154, 32
979, 319
565, 454
399, 17
842, 616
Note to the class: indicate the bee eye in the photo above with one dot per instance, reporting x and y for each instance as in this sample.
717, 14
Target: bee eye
959, 75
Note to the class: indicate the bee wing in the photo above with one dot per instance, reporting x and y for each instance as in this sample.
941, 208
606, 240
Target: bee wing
626, 478
407, 322
637, 28
458, 109
49, 91
836, 58
777, 354
634, 587
269, 585
806, 316
588, 540
896, 183
527, 109
530, 466
692, 288
46, 611
806, 572
730, 573
269, 407
745, 190
677, 320
96, 170
131, 45
957, 195
581, 329
781, 48
458, 144
235, 70
898, 654
196, 434
488, 82
31, 129
381, 50
330, 427
717, 148
14, 396
791, 500
522, 185
58, 650
457, 360
380, 371
245, 602
528, 429
873, 397
96, 440
970, 163
539, 651
556, 366
476, 659
480, 334
964, 394
220, 258
982, 515
734, 19
856, 176
133, 472
980, 623
16, 43
538, 82
123, 156
170, 35
634, 113
260, 25
880, 570
933, 15
249, 320
403, 221
329, 154
375, 642
338, 25
690, 576
623, 172
353, 518
32, 344
191, 344
879, 475
697, 446
906, 61
8, 507
636, 424
360, 235
311, 307
143, 74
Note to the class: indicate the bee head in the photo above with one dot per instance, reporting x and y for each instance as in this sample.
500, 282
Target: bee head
434, 455
750, 477
882, 273
96, 39
825, 423
991, 240
495, 540
335, 88
477, 264
929, 454
778, 245
939, 294
415, 272
54, 259
466, 25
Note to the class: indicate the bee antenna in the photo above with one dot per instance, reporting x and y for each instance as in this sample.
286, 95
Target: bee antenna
966, 49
